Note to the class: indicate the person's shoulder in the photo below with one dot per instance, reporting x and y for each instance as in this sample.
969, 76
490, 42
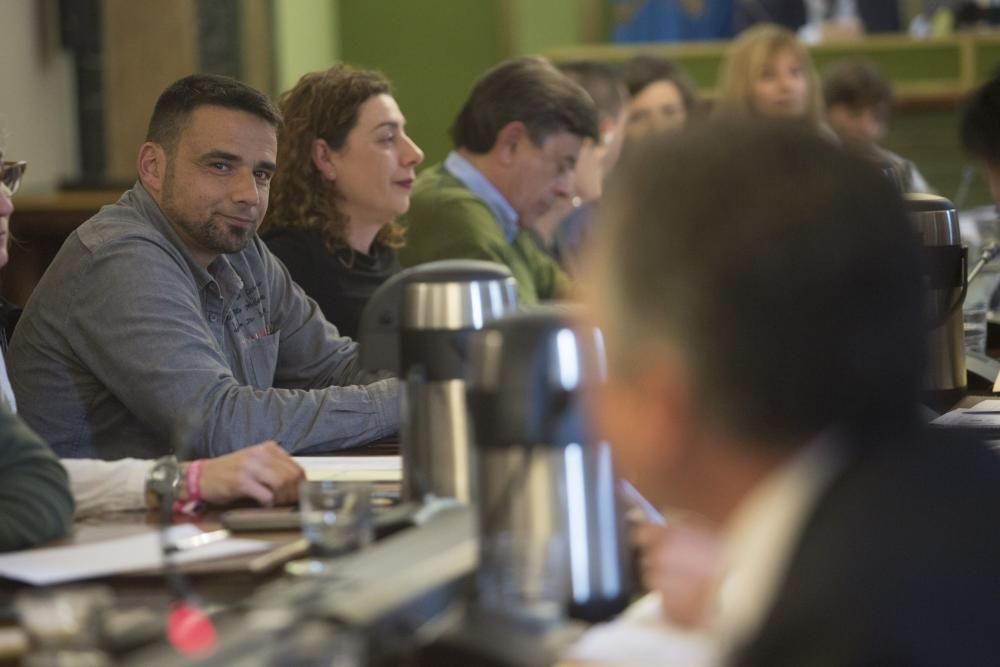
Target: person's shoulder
902, 542
121, 221
293, 246
291, 237
440, 200
436, 185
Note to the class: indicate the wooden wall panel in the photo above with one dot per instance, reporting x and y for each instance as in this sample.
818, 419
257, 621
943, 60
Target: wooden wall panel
146, 46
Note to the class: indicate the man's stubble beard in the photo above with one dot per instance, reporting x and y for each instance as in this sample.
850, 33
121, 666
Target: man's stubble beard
209, 236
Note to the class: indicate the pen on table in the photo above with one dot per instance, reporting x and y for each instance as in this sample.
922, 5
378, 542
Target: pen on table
279, 555
636, 499
197, 540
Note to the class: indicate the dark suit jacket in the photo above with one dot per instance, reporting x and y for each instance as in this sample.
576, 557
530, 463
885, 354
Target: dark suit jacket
898, 565
878, 16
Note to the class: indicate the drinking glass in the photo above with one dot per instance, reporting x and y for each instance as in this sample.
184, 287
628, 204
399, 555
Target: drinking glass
975, 326
336, 520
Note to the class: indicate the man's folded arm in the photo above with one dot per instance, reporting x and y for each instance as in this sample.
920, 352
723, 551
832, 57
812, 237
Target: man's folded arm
149, 343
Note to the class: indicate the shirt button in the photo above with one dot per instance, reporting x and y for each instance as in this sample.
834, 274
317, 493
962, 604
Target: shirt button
213, 317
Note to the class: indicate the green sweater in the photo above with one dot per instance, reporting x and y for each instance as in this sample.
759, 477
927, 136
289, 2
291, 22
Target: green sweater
447, 221
35, 501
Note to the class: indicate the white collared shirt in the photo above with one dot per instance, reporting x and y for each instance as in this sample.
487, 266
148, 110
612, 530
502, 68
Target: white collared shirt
760, 538
481, 186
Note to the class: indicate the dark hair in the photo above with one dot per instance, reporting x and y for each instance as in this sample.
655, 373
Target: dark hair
182, 97
322, 105
601, 82
645, 69
857, 84
796, 299
529, 90
980, 125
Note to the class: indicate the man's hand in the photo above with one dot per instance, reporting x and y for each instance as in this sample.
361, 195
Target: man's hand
683, 564
264, 472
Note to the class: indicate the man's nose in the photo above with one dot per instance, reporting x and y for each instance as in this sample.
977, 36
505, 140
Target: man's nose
565, 185
871, 126
246, 189
6, 203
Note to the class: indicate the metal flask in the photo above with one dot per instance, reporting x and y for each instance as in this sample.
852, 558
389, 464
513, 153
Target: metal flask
417, 325
551, 529
945, 269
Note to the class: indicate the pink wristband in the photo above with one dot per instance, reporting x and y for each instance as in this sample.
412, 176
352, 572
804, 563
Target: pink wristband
192, 487
192, 480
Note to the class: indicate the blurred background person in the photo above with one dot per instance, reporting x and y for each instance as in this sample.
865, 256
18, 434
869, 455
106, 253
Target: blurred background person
858, 105
767, 72
345, 174
980, 131
562, 230
661, 96
35, 501
516, 142
775, 396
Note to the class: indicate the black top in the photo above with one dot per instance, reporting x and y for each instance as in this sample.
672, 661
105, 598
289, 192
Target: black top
341, 282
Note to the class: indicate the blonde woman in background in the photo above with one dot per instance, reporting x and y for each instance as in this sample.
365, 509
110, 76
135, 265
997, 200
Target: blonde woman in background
768, 72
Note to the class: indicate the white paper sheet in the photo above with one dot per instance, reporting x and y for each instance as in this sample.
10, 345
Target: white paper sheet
639, 637
55, 565
352, 468
979, 418
989, 405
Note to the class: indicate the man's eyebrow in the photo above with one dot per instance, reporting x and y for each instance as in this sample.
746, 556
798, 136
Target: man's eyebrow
267, 165
394, 124
221, 155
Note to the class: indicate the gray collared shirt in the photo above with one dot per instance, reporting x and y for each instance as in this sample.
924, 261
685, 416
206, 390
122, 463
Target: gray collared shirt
481, 186
129, 347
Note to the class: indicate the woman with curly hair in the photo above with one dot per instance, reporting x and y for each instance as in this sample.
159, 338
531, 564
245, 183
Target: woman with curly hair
768, 72
345, 174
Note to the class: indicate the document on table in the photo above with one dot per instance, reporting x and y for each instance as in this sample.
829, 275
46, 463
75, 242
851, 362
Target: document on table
983, 415
55, 565
639, 637
352, 468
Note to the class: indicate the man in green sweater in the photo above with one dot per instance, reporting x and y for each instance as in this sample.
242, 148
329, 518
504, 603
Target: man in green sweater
35, 501
516, 143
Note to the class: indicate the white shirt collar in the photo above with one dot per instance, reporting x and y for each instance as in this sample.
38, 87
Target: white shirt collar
481, 186
760, 538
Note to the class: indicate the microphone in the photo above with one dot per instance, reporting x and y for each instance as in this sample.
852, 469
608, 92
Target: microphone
188, 629
989, 253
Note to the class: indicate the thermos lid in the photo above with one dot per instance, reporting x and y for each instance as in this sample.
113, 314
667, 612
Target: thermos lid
526, 376
934, 218
919, 201
448, 295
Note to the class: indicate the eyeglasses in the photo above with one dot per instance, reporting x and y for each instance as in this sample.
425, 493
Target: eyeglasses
11, 174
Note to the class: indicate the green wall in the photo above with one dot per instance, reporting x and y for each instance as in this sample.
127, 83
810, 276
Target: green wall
432, 50
306, 38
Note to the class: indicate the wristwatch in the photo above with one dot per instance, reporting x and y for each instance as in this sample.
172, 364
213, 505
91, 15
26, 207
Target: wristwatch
164, 479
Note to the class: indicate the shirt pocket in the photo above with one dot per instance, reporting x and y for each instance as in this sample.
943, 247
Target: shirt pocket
260, 358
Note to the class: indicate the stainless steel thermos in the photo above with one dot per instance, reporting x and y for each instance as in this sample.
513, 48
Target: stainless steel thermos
417, 325
551, 533
945, 278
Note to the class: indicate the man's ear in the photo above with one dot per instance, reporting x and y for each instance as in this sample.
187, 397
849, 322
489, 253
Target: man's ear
671, 419
509, 139
152, 166
321, 154
648, 415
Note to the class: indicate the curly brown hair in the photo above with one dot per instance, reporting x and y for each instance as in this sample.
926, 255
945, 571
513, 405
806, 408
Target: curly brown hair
322, 105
